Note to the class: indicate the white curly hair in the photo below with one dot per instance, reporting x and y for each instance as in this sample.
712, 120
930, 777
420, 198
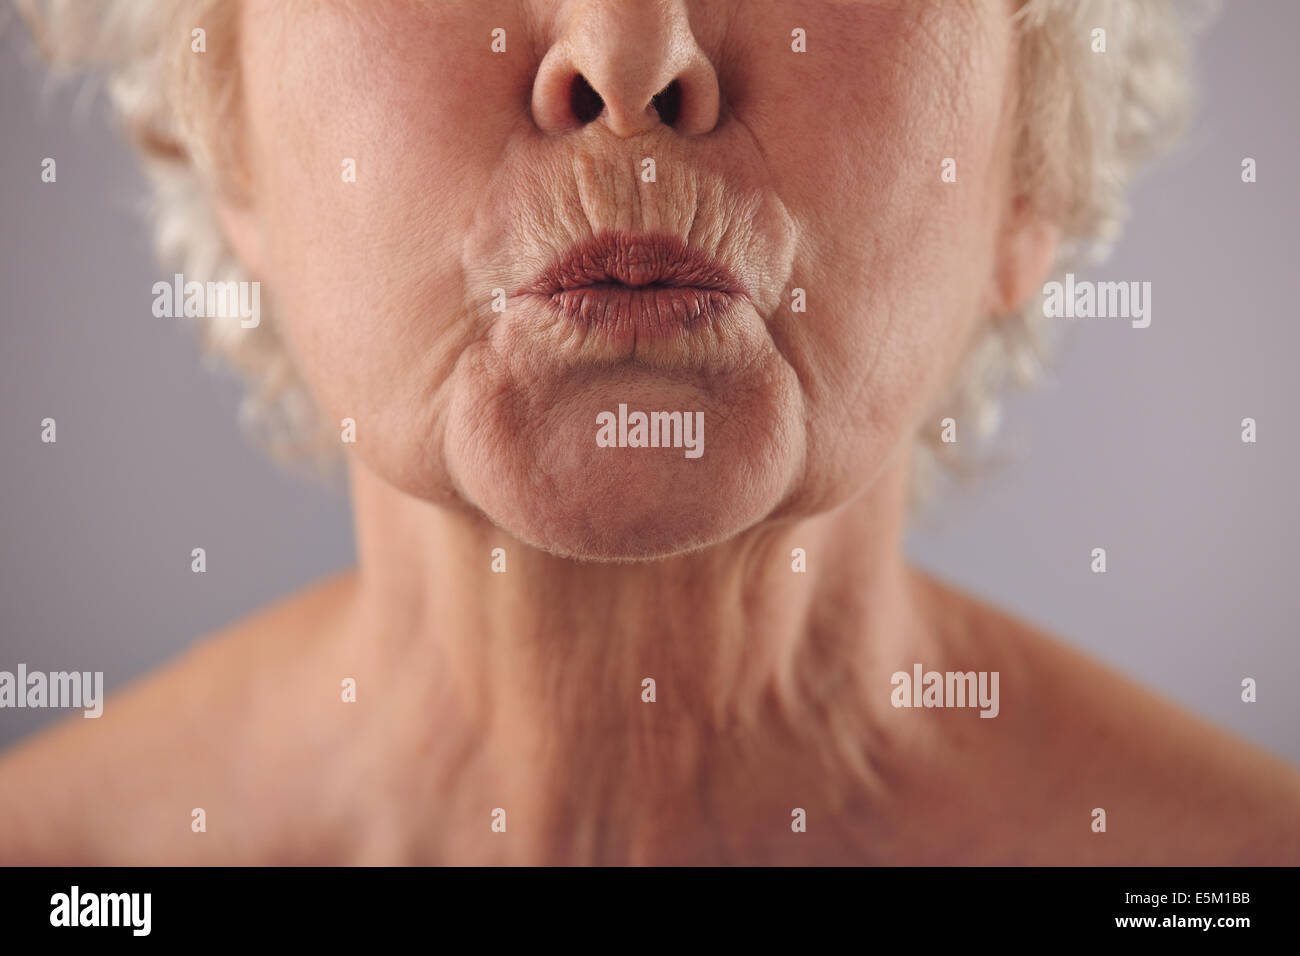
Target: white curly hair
1085, 123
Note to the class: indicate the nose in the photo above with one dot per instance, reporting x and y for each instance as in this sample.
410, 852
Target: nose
631, 65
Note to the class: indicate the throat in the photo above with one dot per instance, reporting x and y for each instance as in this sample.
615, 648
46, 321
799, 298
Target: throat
673, 710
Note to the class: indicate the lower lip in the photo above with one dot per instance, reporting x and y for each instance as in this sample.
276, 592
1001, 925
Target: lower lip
647, 311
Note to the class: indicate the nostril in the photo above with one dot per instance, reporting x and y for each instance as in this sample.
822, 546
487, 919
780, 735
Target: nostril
668, 103
584, 101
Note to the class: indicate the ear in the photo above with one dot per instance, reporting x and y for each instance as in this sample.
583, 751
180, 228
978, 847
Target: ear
243, 230
1027, 246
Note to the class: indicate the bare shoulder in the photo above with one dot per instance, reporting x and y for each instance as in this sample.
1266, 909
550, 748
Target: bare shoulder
122, 788
1074, 737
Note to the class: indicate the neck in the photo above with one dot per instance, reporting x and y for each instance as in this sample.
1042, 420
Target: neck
600, 701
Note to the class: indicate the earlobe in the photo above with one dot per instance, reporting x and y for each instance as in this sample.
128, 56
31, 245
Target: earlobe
243, 230
1026, 250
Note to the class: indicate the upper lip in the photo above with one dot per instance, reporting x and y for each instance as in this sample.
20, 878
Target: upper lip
634, 261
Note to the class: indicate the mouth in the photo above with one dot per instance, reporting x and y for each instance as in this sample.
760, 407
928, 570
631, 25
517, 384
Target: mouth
647, 285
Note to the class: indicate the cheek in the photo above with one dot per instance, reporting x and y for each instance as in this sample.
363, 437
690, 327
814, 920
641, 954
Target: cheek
368, 150
894, 260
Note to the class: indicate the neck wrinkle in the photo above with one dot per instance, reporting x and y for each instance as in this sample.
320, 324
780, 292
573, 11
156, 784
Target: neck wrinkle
541, 667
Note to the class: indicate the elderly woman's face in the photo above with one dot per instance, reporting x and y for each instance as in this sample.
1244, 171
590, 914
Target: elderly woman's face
770, 247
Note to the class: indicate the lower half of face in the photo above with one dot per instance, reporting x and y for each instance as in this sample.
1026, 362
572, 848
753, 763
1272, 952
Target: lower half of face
626, 347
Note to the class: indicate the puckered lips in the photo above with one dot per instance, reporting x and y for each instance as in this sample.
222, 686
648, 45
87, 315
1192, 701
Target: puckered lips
652, 284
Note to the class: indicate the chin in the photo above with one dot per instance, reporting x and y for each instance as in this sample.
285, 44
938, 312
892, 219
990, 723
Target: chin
593, 480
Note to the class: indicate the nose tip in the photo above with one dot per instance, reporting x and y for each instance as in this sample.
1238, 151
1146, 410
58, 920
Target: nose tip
631, 68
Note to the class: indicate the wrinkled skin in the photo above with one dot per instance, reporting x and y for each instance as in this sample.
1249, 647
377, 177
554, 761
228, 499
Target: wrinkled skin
817, 171
523, 688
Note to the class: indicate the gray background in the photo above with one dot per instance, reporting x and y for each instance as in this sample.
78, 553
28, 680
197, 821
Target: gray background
1132, 445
